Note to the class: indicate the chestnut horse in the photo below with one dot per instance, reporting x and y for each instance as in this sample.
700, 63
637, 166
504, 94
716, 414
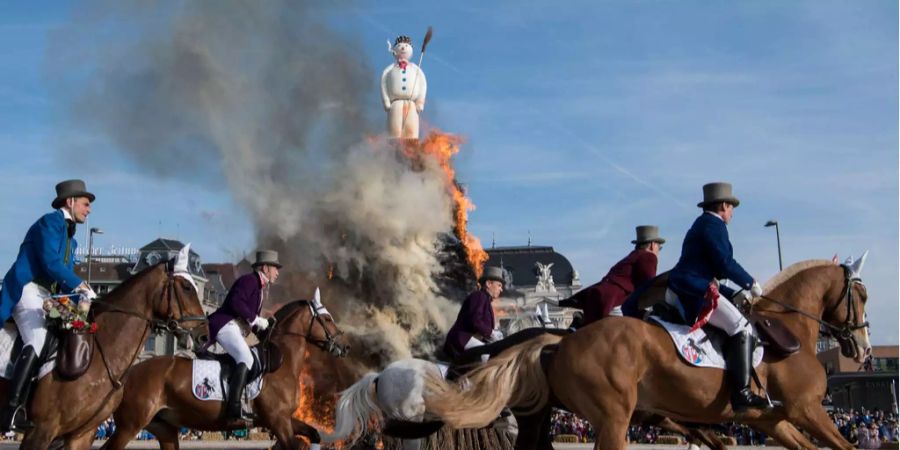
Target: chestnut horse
606, 383
156, 299
160, 397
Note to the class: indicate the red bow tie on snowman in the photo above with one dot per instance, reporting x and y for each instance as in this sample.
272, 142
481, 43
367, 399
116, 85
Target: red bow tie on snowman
402, 64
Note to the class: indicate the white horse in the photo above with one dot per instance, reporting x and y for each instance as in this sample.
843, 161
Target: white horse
395, 393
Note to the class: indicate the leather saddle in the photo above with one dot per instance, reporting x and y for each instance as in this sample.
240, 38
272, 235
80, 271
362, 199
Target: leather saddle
72, 352
778, 341
266, 359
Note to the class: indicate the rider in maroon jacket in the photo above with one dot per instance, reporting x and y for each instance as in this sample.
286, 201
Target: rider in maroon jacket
606, 297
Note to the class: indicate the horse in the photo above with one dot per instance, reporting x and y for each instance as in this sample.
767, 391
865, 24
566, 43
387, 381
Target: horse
605, 384
395, 397
159, 298
159, 396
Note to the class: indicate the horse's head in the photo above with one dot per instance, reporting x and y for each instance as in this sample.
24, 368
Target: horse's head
178, 308
847, 313
312, 321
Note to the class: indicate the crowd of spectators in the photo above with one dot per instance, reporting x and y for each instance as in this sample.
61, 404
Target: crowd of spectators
864, 429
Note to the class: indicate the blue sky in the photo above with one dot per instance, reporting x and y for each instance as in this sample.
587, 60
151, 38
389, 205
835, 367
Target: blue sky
582, 120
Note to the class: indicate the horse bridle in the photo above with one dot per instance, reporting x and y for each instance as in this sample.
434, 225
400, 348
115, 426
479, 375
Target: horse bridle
844, 332
156, 325
329, 344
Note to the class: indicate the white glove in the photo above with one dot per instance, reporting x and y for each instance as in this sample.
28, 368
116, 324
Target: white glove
756, 290
496, 335
86, 292
260, 323
743, 297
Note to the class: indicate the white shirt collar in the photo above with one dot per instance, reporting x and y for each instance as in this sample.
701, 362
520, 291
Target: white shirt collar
715, 215
263, 278
66, 214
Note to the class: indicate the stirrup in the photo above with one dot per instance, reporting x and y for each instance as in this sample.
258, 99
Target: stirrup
17, 421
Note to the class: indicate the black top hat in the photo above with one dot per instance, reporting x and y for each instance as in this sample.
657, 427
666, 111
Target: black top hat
267, 258
69, 189
718, 192
403, 40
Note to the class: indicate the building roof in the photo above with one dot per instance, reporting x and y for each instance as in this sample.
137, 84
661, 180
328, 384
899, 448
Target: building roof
520, 261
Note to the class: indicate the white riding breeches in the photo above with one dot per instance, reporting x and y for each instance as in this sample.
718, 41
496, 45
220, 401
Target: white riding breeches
616, 311
725, 317
729, 319
232, 340
29, 316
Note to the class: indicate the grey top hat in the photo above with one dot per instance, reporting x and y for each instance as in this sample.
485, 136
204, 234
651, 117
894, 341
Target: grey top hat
718, 192
492, 273
647, 233
267, 257
68, 189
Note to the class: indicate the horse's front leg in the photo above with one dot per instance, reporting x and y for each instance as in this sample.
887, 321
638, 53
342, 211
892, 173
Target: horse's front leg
39, 438
302, 428
814, 419
786, 435
285, 439
81, 441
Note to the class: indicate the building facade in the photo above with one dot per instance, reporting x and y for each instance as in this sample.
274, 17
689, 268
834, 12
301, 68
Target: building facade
533, 275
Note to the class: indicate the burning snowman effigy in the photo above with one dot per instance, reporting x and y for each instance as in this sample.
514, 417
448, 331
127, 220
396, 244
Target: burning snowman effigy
403, 89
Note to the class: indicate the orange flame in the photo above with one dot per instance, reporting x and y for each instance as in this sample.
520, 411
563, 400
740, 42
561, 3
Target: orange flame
443, 146
316, 412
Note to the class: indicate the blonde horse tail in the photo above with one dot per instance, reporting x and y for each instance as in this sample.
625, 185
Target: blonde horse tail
355, 410
513, 378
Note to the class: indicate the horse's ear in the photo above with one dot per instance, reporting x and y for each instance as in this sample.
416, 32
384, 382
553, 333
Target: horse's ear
317, 297
834, 259
182, 259
857, 266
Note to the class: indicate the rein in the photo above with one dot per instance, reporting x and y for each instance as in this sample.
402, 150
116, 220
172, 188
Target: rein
850, 324
169, 324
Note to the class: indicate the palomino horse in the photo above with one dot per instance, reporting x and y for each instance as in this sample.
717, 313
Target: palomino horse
396, 398
605, 384
158, 298
160, 398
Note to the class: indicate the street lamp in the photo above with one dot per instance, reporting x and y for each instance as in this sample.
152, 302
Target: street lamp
91, 250
778, 237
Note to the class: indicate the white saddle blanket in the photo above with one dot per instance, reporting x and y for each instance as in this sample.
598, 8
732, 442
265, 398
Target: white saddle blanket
8, 336
699, 349
207, 382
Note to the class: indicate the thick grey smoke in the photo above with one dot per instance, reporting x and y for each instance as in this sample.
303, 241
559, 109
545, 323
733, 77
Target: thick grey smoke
263, 99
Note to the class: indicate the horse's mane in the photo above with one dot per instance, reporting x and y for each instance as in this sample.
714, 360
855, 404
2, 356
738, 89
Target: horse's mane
792, 270
288, 309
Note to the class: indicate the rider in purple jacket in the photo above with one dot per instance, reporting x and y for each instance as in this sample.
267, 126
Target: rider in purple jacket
241, 311
475, 324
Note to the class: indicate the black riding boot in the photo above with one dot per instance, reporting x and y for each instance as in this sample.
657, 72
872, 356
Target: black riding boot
739, 362
235, 390
12, 417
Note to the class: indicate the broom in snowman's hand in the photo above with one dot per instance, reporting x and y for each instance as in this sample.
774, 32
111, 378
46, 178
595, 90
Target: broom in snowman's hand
416, 79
